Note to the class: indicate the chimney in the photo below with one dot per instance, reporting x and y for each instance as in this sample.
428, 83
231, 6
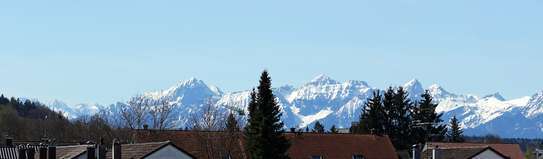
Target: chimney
101, 151
30, 153
51, 152
43, 153
416, 151
116, 152
91, 153
22, 153
9, 142
434, 152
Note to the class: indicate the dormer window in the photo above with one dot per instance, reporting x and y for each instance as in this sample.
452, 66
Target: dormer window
358, 157
316, 157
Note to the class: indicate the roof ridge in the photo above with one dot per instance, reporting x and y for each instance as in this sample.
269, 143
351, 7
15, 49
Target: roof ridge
149, 143
68, 146
473, 143
316, 133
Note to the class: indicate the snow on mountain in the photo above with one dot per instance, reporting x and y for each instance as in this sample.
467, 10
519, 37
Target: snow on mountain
473, 111
414, 88
339, 103
484, 115
496, 95
191, 96
74, 111
191, 91
328, 100
535, 105
439, 93
322, 79
236, 100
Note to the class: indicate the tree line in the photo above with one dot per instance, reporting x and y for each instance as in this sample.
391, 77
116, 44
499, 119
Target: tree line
391, 112
26, 120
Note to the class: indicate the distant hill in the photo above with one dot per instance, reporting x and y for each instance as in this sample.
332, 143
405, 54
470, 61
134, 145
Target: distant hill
28, 120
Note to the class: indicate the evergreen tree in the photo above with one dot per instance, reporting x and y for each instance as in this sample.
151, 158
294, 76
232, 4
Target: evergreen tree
427, 123
253, 128
371, 119
318, 128
3, 100
231, 123
388, 104
264, 133
455, 135
401, 120
333, 129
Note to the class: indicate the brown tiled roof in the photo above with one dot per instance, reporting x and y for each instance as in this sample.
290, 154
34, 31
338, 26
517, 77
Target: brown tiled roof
455, 153
512, 151
140, 150
333, 146
197, 144
340, 146
69, 152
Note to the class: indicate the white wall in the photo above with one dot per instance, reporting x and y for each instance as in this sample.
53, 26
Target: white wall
488, 154
168, 152
82, 156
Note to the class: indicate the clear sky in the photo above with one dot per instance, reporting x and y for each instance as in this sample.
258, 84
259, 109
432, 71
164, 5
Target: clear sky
106, 51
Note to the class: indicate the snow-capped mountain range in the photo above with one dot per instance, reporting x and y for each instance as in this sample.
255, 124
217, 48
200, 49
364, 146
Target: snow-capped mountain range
339, 103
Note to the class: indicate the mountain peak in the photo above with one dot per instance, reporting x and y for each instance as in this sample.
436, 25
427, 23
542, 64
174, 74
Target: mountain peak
496, 95
357, 82
435, 87
323, 79
438, 92
414, 87
192, 80
412, 82
535, 104
191, 83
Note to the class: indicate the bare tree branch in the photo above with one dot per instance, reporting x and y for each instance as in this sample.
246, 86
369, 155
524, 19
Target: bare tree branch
135, 113
160, 111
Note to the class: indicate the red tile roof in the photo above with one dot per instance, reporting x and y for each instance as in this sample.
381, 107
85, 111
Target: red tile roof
340, 146
333, 146
198, 144
510, 150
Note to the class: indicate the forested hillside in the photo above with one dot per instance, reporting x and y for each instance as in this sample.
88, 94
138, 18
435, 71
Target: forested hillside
25, 120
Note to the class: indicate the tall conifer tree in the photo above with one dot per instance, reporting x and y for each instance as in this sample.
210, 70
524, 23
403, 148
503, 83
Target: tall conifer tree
427, 122
455, 135
388, 104
253, 128
372, 117
401, 117
264, 134
397, 106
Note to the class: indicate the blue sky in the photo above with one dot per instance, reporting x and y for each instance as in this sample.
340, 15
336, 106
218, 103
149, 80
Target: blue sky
106, 51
